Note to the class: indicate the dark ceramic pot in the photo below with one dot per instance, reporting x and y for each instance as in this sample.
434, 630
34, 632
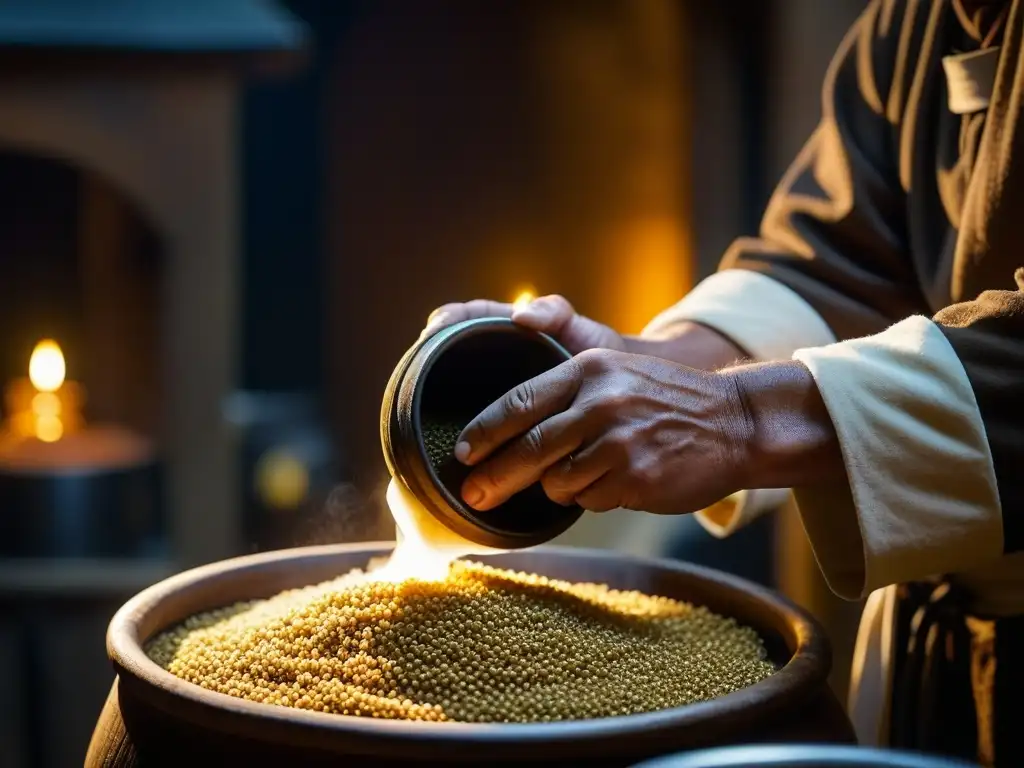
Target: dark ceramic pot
154, 718
448, 378
802, 756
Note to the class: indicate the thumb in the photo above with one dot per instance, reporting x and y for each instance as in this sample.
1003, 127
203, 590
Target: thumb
555, 316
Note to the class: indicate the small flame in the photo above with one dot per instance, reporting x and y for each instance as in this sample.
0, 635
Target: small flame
46, 368
46, 371
524, 297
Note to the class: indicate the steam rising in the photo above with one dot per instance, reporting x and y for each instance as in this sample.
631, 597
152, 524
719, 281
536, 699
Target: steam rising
346, 515
424, 547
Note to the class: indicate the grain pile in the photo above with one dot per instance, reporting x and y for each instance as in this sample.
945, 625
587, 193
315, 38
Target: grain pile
485, 645
439, 439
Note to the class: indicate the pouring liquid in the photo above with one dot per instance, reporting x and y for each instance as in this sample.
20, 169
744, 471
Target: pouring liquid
425, 548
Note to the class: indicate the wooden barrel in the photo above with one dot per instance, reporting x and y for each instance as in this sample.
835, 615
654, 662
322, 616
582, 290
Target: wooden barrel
154, 718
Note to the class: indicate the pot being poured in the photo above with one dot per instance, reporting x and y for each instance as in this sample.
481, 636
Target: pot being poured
154, 718
441, 383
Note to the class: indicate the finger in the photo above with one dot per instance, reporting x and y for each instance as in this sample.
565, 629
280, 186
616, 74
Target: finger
601, 496
523, 461
517, 411
568, 478
555, 316
547, 314
457, 312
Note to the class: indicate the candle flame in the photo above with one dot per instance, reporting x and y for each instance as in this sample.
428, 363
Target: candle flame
46, 371
46, 368
524, 297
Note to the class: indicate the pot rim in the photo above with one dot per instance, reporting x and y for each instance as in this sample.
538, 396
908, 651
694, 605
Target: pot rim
798, 679
402, 436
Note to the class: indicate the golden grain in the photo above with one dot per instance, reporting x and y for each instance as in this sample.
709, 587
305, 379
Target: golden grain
485, 645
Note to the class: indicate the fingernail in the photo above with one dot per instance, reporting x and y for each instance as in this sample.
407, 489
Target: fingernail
472, 493
462, 451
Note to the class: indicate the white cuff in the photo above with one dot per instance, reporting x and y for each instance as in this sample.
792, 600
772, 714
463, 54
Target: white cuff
922, 496
769, 322
762, 316
743, 507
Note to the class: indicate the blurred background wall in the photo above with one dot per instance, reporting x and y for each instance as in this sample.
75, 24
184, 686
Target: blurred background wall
240, 299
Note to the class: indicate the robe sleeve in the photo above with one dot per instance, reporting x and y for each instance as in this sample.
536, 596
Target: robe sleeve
918, 406
921, 497
830, 261
987, 335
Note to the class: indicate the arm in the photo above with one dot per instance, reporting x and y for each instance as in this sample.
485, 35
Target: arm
901, 446
920, 431
830, 262
692, 344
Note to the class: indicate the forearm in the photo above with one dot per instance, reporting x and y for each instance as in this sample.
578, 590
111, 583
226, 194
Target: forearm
787, 438
690, 344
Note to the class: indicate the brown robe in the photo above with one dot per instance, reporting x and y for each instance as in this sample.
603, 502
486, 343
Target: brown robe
923, 213
899, 207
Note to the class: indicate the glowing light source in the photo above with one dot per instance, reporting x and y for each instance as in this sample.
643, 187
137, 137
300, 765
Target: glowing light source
282, 480
46, 372
46, 369
49, 429
425, 549
524, 297
45, 405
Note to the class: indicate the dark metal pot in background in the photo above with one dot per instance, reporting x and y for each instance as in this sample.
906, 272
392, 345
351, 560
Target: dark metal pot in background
802, 756
159, 719
83, 513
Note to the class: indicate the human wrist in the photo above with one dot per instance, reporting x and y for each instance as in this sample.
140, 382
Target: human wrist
788, 438
690, 344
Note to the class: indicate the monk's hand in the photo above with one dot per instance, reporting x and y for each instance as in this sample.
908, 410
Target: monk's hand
611, 430
553, 315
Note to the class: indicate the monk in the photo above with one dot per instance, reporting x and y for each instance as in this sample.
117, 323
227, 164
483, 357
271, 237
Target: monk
865, 351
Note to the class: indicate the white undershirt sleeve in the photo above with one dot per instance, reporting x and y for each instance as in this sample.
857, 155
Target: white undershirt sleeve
922, 497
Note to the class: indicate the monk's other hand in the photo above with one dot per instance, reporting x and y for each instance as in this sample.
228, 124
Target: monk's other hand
609, 430
553, 315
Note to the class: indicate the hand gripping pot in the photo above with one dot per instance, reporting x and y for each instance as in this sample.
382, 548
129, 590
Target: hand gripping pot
438, 386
